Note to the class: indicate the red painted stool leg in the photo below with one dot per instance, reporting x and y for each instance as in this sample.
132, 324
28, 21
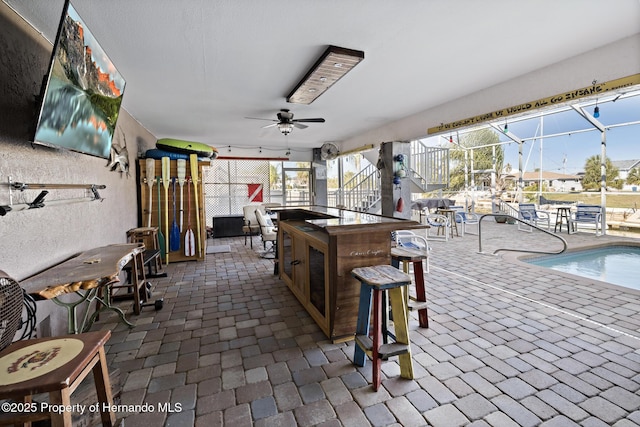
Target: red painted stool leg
420, 293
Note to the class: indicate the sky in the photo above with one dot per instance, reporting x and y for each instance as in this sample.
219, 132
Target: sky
568, 153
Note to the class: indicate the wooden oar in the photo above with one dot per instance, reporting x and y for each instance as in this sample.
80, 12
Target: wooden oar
182, 173
174, 239
189, 240
193, 162
166, 164
161, 241
151, 177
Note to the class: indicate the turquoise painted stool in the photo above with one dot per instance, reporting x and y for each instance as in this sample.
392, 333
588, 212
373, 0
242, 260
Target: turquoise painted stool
374, 281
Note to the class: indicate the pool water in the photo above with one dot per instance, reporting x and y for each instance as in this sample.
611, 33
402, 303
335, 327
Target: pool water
614, 264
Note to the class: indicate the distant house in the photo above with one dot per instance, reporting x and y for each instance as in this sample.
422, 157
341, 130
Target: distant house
554, 181
624, 167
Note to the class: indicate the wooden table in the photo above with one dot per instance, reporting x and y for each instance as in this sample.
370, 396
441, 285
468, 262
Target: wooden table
83, 275
57, 366
562, 217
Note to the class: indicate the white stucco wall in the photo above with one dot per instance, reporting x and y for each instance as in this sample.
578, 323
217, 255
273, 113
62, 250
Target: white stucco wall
33, 240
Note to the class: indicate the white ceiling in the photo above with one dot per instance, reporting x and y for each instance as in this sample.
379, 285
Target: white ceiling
195, 69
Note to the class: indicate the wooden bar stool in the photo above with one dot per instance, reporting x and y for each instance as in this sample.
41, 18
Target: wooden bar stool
419, 302
136, 283
57, 366
151, 256
373, 282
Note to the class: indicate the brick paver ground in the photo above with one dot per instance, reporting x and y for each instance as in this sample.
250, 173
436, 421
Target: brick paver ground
508, 344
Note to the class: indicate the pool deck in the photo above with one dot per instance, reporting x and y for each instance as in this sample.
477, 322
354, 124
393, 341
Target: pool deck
509, 344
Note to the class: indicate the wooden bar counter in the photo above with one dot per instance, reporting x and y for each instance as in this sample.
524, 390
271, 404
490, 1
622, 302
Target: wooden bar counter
317, 249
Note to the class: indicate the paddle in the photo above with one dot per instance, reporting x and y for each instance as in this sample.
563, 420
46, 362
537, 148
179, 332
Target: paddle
151, 177
182, 172
160, 235
165, 183
193, 162
174, 239
189, 240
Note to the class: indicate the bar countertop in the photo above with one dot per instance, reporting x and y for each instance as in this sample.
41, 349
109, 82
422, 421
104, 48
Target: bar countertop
334, 220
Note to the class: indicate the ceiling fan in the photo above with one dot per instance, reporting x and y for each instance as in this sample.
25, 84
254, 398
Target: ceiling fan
286, 122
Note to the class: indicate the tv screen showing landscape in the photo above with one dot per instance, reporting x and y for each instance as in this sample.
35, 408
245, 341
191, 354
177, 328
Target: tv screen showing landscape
83, 92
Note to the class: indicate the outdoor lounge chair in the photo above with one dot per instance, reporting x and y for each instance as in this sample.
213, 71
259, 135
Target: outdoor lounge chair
465, 218
528, 212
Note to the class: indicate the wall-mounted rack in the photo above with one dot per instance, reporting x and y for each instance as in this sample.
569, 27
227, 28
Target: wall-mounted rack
39, 200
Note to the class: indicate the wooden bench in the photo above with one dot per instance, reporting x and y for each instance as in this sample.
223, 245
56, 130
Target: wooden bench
83, 275
586, 214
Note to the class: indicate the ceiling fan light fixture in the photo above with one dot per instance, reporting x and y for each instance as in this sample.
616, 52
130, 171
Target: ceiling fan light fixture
334, 63
285, 128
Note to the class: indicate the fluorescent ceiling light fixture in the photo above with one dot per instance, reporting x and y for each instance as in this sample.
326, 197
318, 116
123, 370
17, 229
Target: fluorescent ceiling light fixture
334, 63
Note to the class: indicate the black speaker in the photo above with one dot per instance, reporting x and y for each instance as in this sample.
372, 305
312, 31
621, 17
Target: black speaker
227, 226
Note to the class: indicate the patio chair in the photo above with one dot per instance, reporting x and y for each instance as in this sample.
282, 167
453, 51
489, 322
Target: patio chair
250, 226
410, 240
268, 231
438, 223
465, 218
528, 212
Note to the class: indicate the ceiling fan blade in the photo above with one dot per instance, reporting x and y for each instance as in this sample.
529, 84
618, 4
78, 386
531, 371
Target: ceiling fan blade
315, 120
258, 118
300, 125
270, 126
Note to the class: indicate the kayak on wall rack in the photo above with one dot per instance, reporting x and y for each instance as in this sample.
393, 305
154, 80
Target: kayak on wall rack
187, 147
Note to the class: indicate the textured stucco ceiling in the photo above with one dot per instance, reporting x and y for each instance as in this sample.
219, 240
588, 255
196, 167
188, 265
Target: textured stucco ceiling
195, 69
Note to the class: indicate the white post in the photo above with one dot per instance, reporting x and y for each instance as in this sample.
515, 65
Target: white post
541, 143
493, 178
521, 174
603, 181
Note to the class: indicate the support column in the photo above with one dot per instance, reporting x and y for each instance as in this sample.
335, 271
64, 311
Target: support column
391, 193
319, 170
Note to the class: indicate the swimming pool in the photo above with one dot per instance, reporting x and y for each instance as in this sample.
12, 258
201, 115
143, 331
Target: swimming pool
612, 264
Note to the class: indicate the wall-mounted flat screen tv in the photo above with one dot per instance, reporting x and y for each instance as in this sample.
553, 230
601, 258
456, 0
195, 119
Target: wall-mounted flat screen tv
82, 94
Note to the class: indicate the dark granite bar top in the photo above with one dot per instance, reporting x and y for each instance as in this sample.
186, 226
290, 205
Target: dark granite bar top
335, 220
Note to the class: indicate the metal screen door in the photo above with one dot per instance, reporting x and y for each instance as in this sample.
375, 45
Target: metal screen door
297, 186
